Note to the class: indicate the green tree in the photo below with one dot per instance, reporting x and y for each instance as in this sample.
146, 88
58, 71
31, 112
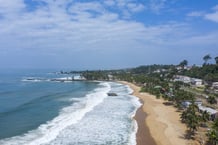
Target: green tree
216, 59
181, 95
191, 119
184, 116
213, 133
206, 58
204, 118
213, 136
183, 63
215, 124
211, 100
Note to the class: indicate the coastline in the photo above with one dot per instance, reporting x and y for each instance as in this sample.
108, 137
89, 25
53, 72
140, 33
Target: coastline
158, 124
143, 136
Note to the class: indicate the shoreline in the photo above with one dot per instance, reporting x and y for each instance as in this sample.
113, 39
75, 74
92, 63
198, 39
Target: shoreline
143, 135
158, 123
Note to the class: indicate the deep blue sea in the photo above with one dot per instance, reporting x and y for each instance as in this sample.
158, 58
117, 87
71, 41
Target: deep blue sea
37, 111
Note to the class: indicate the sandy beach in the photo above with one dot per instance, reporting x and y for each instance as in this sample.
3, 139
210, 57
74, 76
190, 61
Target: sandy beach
161, 122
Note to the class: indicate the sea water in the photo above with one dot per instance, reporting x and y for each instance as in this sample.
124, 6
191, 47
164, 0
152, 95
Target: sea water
38, 111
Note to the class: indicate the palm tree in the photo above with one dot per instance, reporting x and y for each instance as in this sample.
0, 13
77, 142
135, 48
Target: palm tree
206, 58
183, 63
205, 117
211, 100
213, 133
216, 59
193, 122
191, 118
213, 136
215, 124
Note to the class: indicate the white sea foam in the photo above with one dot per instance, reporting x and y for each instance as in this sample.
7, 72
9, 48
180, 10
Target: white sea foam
111, 122
130, 91
97, 119
137, 105
34, 79
68, 116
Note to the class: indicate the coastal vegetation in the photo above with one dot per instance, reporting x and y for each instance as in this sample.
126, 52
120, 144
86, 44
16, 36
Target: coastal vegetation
95, 75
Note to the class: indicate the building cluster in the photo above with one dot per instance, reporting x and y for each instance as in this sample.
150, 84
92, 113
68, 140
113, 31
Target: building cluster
198, 83
212, 112
70, 79
188, 80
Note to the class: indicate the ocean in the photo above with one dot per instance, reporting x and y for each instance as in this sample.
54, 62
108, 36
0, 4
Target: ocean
37, 111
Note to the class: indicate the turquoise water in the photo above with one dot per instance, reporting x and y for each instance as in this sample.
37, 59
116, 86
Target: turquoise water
41, 111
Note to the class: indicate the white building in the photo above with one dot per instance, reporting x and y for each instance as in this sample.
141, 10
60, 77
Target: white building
111, 77
196, 82
188, 80
183, 79
210, 111
185, 104
78, 78
215, 86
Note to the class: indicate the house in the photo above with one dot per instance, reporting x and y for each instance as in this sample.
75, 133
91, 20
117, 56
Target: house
157, 71
78, 78
215, 86
196, 82
188, 80
179, 68
185, 104
183, 79
160, 70
198, 102
210, 111
111, 77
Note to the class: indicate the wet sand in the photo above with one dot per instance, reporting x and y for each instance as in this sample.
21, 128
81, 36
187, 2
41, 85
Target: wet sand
143, 136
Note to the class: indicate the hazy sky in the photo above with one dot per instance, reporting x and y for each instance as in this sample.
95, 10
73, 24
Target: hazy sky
95, 34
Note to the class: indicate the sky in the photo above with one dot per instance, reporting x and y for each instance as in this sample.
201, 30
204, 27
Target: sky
106, 34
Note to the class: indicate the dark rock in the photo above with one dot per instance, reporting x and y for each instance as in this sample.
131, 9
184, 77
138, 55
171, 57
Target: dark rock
111, 94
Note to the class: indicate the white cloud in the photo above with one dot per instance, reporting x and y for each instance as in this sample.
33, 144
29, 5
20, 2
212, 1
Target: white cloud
208, 16
10, 8
88, 6
11, 5
212, 16
56, 28
215, 8
109, 2
69, 27
65, 25
157, 5
133, 7
196, 14
126, 7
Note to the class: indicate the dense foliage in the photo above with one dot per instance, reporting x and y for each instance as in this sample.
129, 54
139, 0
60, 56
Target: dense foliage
95, 75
